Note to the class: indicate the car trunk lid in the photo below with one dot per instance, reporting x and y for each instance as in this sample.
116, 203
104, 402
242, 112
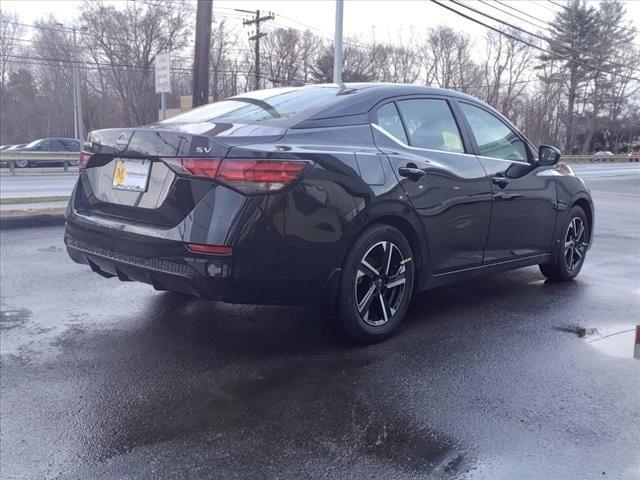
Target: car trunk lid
167, 198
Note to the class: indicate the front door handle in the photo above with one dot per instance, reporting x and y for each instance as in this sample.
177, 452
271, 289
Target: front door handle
506, 196
411, 172
500, 181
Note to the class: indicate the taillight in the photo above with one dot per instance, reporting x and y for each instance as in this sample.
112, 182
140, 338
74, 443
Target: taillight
198, 167
248, 176
260, 176
84, 159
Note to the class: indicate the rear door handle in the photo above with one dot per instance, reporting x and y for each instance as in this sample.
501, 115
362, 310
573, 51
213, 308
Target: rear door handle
411, 172
500, 181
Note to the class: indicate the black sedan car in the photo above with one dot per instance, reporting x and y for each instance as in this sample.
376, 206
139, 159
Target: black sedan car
48, 145
349, 198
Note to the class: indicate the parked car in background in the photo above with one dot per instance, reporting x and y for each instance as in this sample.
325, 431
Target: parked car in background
49, 145
604, 153
349, 198
11, 148
4, 147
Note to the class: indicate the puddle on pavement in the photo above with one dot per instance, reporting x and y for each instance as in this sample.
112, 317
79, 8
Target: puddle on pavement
617, 341
13, 318
311, 411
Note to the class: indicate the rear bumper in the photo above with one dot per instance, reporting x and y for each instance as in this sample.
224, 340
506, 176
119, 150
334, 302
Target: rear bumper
167, 265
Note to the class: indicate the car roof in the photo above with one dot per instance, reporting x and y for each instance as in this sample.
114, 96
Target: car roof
361, 97
354, 100
59, 138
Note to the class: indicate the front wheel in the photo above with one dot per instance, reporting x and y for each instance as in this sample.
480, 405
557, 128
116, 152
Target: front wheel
575, 241
376, 284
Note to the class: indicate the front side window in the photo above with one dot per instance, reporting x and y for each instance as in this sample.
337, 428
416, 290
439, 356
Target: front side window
36, 144
56, 145
430, 124
494, 138
388, 118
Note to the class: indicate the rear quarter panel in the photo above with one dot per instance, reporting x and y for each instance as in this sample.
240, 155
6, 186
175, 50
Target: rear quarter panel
349, 188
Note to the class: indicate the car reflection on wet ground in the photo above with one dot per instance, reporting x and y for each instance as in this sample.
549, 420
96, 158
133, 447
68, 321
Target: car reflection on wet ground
487, 379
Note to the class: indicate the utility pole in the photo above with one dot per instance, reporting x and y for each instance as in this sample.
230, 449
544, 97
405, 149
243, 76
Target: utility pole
200, 89
76, 82
256, 38
337, 43
78, 120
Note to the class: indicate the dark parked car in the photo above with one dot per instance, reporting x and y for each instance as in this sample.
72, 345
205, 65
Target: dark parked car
347, 198
10, 148
4, 147
49, 145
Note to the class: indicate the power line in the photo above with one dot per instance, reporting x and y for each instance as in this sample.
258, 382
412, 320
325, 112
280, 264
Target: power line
537, 25
506, 4
546, 39
532, 45
43, 27
46, 62
557, 4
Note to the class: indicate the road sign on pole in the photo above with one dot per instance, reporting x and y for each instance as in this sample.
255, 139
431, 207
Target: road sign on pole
163, 79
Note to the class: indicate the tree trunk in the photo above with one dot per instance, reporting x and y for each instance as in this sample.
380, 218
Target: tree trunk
573, 87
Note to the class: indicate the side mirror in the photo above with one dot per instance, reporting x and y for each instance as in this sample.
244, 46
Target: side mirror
548, 155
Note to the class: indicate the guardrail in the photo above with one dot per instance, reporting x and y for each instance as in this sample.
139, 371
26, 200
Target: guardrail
71, 158
594, 159
12, 158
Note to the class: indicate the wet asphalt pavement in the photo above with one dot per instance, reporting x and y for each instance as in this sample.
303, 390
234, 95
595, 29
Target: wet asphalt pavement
102, 379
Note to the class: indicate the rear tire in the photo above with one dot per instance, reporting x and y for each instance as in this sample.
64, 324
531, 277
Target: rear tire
376, 285
573, 248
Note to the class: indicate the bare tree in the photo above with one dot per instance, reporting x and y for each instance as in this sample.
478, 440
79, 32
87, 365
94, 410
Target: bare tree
10, 32
224, 43
127, 41
506, 71
448, 60
282, 55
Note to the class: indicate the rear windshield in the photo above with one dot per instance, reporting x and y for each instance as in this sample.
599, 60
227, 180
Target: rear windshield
259, 106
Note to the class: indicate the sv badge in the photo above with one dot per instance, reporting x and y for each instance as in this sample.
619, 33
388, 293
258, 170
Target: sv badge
204, 149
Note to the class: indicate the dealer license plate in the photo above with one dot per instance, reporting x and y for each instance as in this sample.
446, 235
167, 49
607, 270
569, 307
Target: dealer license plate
131, 174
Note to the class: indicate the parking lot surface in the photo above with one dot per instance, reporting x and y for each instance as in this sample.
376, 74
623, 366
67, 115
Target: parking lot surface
486, 379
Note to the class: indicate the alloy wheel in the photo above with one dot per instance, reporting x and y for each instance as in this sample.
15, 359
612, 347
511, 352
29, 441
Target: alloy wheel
380, 283
575, 244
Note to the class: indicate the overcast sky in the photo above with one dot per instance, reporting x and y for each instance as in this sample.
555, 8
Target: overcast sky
388, 18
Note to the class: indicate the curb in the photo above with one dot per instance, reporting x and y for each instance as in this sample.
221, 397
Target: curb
23, 200
31, 221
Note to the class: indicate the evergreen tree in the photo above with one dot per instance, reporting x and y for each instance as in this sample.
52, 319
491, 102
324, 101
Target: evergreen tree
574, 37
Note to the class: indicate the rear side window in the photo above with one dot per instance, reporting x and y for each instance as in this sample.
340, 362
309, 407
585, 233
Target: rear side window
388, 118
430, 124
71, 145
494, 138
